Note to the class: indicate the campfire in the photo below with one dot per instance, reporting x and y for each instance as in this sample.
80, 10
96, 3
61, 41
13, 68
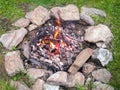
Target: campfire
62, 47
55, 44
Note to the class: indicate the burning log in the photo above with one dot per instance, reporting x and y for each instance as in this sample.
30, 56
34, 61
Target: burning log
82, 57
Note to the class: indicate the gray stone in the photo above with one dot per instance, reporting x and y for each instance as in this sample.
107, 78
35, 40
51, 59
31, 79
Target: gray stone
75, 79
69, 12
103, 55
102, 75
13, 38
32, 27
13, 63
19, 85
98, 33
100, 86
51, 87
92, 11
88, 68
36, 73
79, 78
39, 85
87, 19
26, 49
22, 22
38, 16
58, 78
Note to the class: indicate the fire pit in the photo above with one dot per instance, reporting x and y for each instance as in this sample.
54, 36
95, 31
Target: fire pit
56, 44
60, 47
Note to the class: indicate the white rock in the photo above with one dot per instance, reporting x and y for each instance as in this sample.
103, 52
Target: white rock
26, 49
101, 45
69, 12
58, 78
22, 22
38, 16
98, 33
13, 38
32, 27
92, 11
19, 85
13, 63
39, 85
86, 18
100, 86
36, 73
102, 75
51, 87
103, 55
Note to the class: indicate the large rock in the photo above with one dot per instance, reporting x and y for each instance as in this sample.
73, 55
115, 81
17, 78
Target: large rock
100, 86
50, 87
26, 49
82, 57
75, 79
102, 75
79, 78
39, 85
19, 85
103, 55
32, 27
58, 78
92, 11
98, 33
69, 12
13, 38
36, 73
88, 68
13, 63
22, 22
38, 16
86, 18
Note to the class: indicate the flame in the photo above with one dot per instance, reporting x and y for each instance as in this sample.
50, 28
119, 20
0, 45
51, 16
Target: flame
56, 33
58, 29
52, 45
53, 42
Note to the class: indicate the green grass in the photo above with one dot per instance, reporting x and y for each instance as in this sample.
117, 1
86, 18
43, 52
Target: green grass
4, 85
13, 9
22, 77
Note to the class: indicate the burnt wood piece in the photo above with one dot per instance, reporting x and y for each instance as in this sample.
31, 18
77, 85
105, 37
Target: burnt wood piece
82, 57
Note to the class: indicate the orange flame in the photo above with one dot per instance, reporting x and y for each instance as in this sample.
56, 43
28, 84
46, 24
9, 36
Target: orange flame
56, 33
52, 45
58, 29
